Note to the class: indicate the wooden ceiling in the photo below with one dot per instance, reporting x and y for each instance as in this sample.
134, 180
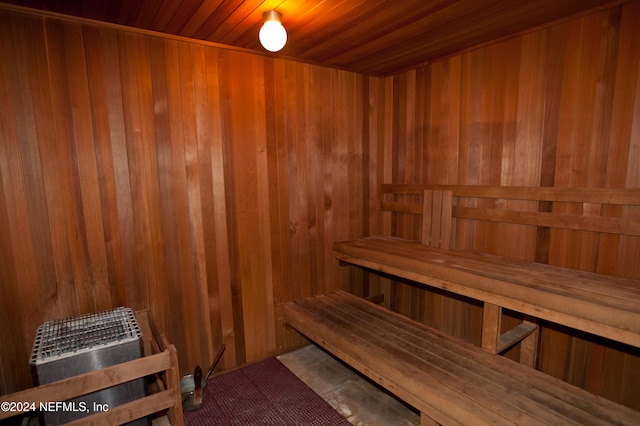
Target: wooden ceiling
378, 37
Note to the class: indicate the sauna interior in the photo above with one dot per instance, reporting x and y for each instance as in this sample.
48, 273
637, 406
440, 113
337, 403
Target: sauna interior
156, 157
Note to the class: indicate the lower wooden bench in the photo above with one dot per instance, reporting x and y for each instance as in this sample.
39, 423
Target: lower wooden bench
450, 381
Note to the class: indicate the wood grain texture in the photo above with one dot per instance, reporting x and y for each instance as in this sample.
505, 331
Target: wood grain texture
206, 185
444, 378
596, 303
552, 108
369, 37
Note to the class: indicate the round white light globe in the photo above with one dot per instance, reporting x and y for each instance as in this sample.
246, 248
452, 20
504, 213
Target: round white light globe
273, 36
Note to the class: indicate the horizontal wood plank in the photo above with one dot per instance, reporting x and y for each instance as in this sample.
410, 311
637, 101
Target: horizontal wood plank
588, 206
609, 225
515, 335
570, 195
129, 411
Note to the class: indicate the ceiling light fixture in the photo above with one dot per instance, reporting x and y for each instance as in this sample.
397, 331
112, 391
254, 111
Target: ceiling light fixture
273, 36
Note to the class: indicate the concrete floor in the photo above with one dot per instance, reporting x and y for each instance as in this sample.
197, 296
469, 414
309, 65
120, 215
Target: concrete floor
361, 401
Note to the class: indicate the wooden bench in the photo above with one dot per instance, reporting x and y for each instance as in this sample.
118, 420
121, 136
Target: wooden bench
453, 382
604, 305
600, 304
448, 380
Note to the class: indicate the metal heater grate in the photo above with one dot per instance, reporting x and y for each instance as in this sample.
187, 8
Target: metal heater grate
68, 347
72, 336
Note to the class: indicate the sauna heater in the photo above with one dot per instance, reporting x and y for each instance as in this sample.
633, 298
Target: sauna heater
68, 347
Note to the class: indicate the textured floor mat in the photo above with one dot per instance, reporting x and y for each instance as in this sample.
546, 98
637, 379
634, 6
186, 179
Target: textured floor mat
265, 393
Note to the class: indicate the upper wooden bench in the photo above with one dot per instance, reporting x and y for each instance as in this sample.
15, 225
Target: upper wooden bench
604, 305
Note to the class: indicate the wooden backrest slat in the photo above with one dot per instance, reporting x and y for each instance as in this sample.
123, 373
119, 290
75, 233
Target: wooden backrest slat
619, 196
555, 206
610, 225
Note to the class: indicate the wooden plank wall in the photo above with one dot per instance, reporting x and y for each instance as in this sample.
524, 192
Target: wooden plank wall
207, 184
556, 107
204, 184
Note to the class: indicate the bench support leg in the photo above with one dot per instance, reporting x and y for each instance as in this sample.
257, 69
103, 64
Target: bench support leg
491, 322
529, 345
494, 341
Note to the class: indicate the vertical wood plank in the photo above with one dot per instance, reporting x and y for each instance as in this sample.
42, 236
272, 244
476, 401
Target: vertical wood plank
33, 132
67, 218
122, 244
107, 294
491, 327
16, 248
216, 229
93, 247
